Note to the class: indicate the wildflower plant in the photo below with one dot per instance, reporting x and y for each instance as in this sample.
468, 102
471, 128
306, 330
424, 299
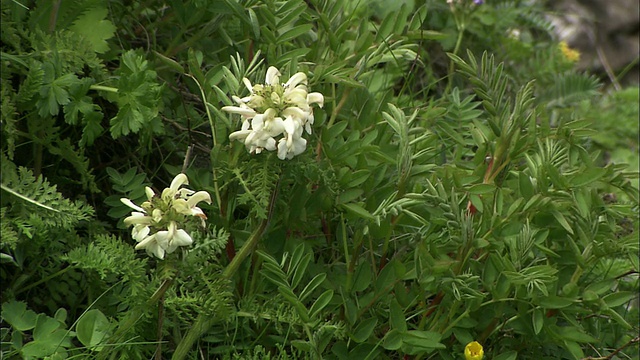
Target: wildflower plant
453, 193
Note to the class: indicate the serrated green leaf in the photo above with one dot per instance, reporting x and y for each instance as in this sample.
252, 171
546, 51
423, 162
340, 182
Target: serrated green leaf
94, 26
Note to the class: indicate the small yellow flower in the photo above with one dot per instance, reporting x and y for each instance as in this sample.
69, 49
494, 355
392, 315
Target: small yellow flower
473, 351
569, 53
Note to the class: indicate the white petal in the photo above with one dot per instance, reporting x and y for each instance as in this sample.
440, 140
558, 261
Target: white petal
182, 238
197, 197
179, 180
247, 83
257, 122
282, 149
162, 239
149, 191
273, 76
295, 112
137, 218
181, 206
157, 214
289, 125
130, 204
270, 144
239, 135
299, 145
296, 79
140, 232
185, 193
146, 242
246, 112
315, 98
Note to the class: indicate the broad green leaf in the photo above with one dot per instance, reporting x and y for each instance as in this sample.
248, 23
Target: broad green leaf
554, 302
562, 220
509, 355
364, 330
537, 320
426, 340
480, 189
322, 301
619, 298
396, 316
48, 338
302, 345
349, 195
362, 277
312, 285
16, 314
294, 33
587, 177
571, 333
357, 210
575, 349
477, 202
92, 329
393, 340
619, 319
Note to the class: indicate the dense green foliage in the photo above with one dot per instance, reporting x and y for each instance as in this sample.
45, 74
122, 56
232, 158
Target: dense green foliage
462, 182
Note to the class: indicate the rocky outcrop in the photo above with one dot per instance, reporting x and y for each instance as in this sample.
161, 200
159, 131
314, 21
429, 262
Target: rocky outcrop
606, 32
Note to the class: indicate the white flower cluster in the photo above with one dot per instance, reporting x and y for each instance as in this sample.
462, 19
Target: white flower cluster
156, 223
274, 109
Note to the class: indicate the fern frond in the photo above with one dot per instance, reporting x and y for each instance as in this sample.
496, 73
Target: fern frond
68, 152
8, 119
32, 83
113, 260
36, 200
8, 233
258, 186
72, 51
570, 89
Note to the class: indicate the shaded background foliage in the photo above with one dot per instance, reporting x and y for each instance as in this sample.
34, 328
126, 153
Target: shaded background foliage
442, 198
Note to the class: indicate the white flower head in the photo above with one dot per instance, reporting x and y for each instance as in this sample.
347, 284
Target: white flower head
275, 114
156, 224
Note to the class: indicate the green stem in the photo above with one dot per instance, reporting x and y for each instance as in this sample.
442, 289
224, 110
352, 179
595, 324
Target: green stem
103, 88
213, 135
42, 280
244, 251
205, 321
461, 27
